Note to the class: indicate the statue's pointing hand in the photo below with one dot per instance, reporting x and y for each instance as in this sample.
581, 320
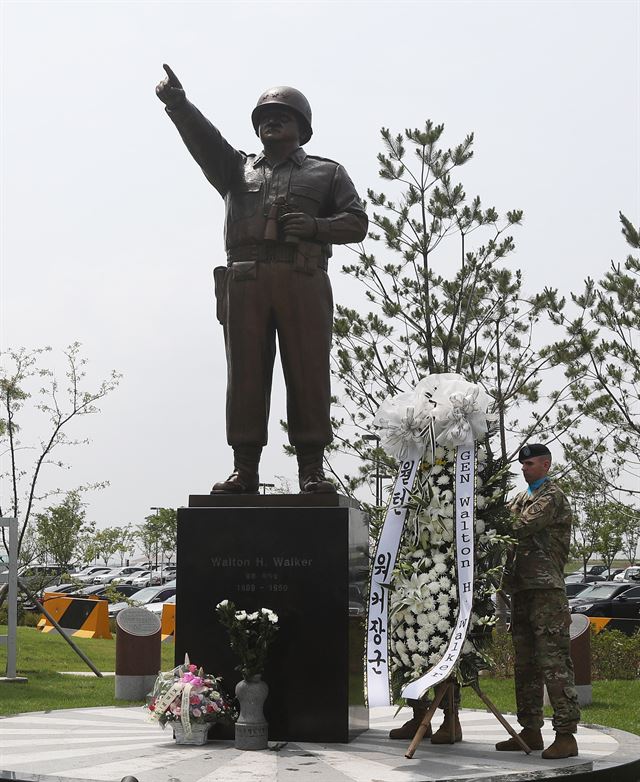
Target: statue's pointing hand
170, 90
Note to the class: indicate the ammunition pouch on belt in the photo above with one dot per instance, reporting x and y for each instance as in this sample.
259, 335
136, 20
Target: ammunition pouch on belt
305, 256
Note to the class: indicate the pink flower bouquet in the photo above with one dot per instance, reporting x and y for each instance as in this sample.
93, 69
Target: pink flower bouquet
188, 695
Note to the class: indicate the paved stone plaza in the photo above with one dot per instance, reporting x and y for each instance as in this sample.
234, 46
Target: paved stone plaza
110, 743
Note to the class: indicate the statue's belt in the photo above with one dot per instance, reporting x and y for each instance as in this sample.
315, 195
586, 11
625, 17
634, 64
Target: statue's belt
272, 252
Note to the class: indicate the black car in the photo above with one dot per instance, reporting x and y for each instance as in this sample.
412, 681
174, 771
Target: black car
625, 606
595, 594
574, 589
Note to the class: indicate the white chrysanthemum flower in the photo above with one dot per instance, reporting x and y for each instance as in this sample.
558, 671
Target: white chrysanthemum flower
410, 632
436, 642
399, 631
453, 590
418, 554
434, 658
401, 647
443, 609
429, 603
423, 646
418, 660
405, 659
409, 618
444, 582
443, 480
433, 617
440, 568
481, 502
480, 527
443, 597
437, 469
422, 634
438, 557
443, 625
412, 644
467, 647
434, 587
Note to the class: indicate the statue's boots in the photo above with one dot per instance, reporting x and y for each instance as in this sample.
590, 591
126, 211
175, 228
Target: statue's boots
532, 737
244, 478
408, 730
310, 472
565, 746
443, 734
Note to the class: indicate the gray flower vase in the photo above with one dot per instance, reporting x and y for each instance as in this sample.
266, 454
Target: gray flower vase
251, 726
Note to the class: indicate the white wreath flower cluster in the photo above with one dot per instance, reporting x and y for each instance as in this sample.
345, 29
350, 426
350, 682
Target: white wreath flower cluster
442, 411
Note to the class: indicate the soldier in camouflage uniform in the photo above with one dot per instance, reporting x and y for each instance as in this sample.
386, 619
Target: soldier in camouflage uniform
540, 615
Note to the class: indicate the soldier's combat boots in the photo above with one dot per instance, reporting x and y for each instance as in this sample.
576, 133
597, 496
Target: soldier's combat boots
244, 478
310, 472
532, 737
408, 730
443, 734
565, 746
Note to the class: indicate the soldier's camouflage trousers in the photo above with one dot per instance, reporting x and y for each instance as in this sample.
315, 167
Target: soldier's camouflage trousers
540, 622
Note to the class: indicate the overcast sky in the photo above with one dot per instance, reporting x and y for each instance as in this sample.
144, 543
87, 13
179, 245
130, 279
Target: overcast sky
110, 231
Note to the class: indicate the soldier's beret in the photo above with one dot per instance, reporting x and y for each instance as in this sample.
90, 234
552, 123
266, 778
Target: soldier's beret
533, 449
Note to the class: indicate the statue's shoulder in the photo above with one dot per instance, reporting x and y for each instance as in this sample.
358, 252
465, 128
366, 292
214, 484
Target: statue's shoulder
318, 159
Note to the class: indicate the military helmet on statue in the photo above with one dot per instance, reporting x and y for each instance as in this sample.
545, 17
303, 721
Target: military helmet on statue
290, 98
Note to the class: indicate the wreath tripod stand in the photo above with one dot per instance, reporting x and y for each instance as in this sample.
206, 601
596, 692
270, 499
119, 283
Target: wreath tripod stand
446, 690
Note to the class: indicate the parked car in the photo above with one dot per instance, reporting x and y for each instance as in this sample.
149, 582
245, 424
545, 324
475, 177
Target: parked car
630, 573
152, 594
596, 593
119, 574
574, 589
624, 605
36, 577
139, 579
156, 608
580, 578
99, 590
89, 571
92, 576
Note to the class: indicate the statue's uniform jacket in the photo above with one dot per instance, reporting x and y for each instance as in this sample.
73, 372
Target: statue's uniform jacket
275, 287
540, 615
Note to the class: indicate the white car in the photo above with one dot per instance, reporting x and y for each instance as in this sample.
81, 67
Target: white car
156, 608
118, 574
89, 575
631, 573
144, 597
140, 580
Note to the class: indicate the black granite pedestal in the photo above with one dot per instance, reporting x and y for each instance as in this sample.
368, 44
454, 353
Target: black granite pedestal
305, 557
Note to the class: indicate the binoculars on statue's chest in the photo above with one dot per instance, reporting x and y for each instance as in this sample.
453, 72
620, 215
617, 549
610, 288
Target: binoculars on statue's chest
274, 229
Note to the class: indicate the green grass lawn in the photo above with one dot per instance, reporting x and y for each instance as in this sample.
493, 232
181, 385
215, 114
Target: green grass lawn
41, 657
615, 703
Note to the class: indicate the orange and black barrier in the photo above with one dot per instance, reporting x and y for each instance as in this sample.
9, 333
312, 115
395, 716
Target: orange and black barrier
168, 628
80, 617
626, 626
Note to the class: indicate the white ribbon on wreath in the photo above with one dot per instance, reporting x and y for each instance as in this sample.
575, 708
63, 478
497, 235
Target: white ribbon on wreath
447, 410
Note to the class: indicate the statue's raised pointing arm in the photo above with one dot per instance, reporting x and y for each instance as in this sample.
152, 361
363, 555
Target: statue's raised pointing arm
284, 211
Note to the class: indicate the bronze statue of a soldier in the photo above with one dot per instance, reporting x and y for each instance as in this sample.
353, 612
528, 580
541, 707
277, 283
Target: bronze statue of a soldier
284, 210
